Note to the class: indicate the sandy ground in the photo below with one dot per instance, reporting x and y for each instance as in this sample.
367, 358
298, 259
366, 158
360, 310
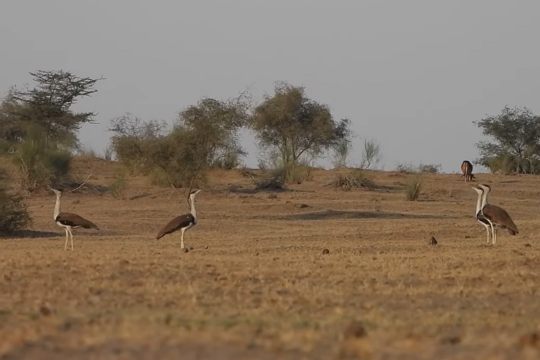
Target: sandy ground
256, 284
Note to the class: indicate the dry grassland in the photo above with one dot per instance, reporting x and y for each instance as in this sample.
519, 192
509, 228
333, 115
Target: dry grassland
256, 284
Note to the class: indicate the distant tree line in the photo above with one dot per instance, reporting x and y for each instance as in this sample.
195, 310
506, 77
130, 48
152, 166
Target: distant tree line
206, 135
39, 128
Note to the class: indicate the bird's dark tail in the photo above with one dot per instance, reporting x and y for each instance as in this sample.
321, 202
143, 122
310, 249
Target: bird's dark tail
89, 225
512, 228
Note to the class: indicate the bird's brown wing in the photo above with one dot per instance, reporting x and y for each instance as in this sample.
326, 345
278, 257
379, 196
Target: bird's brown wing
176, 224
75, 220
500, 217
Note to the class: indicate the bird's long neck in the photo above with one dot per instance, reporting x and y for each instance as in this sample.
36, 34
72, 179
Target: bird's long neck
484, 198
479, 202
57, 207
192, 204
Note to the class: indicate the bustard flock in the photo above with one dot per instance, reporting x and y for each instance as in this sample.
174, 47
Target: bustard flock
488, 215
69, 221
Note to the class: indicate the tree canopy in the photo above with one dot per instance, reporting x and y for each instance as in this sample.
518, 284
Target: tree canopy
214, 125
205, 135
13, 211
515, 141
47, 106
39, 128
296, 125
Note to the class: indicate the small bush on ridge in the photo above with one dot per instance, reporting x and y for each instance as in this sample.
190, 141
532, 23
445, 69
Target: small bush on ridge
413, 188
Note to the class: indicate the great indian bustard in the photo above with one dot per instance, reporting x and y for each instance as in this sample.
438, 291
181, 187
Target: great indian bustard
69, 221
495, 215
478, 212
182, 222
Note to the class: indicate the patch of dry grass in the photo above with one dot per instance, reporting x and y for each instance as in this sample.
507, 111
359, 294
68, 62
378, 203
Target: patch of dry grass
256, 284
354, 179
413, 188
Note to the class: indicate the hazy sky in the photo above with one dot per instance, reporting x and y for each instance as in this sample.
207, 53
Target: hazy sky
411, 74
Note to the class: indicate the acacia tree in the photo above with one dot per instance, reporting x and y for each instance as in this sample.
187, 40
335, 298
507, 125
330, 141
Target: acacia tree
48, 106
39, 126
12, 130
13, 212
516, 141
296, 125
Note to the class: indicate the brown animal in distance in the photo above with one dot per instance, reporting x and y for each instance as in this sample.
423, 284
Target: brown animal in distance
466, 170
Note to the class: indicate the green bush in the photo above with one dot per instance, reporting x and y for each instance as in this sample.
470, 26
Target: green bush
59, 162
40, 161
501, 164
228, 159
292, 173
5, 146
118, 186
13, 212
204, 137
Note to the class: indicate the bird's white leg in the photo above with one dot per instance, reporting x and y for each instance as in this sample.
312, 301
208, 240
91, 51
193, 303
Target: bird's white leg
487, 232
492, 230
494, 239
492, 233
182, 238
67, 238
71, 236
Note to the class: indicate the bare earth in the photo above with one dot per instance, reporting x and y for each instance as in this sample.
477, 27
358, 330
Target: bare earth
256, 284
